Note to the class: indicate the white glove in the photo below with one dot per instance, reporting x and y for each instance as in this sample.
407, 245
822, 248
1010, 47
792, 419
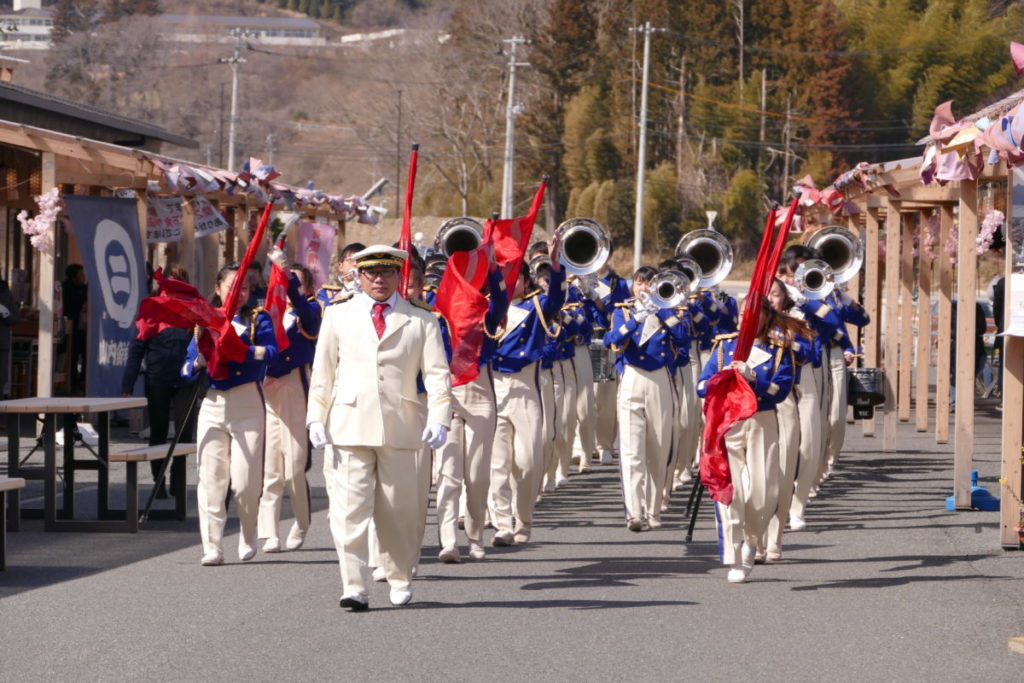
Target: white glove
278, 258
745, 370
640, 314
435, 435
317, 434
4, 311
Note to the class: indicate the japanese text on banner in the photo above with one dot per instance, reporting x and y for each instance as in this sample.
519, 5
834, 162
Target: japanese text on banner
164, 219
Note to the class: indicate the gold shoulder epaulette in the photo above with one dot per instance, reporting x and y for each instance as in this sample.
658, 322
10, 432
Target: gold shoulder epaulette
536, 292
421, 304
341, 298
625, 304
332, 288
722, 337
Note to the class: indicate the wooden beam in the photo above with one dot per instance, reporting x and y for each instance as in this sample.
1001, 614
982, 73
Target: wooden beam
890, 331
924, 330
871, 294
906, 321
966, 294
44, 363
76, 148
1011, 513
944, 331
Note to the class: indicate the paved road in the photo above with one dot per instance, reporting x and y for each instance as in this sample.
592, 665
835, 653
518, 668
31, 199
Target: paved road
884, 585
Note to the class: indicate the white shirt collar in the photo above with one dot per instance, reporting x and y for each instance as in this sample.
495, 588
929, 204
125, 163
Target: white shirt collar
368, 302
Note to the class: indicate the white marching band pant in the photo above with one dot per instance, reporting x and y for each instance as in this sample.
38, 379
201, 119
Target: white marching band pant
287, 453
753, 452
837, 408
517, 457
788, 415
645, 412
586, 404
230, 433
809, 410
465, 461
565, 429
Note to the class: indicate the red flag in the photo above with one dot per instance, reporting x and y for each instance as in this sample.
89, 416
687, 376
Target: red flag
277, 304
222, 345
729, 398
511, 237
178, 304
405, 241
462, 303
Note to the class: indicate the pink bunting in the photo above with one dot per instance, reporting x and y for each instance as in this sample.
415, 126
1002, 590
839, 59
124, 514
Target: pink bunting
1017, 55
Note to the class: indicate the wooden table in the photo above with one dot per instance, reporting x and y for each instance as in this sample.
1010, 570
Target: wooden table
68, 408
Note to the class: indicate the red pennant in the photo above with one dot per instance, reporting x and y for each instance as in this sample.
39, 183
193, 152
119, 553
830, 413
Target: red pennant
511, 237
462, 303
277, 304
405, 241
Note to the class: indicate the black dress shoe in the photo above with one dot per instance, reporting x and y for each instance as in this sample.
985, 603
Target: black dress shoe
354, 603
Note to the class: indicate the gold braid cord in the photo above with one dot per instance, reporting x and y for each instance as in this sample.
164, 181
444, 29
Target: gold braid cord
544, 323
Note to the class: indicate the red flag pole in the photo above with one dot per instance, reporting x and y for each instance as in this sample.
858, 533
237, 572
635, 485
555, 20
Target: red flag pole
231, 305
405, 241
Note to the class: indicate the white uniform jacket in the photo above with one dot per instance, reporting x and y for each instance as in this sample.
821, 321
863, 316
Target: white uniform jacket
364, 389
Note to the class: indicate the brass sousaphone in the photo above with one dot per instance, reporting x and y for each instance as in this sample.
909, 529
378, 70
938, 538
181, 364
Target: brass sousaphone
458, 234
584, 247
841, 249
711, 251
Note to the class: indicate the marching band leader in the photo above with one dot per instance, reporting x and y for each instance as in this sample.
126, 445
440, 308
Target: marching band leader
363, 407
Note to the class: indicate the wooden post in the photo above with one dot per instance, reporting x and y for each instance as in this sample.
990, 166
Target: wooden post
944, 333
966, 293
890, 359
924, 329
187, 244
44, 362
906, 316
871, 291
1010, 510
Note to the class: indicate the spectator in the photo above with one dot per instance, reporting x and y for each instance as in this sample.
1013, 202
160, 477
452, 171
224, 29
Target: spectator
76, 297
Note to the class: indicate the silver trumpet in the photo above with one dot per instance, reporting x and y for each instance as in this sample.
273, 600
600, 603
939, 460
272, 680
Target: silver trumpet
669, 289
711, 251
584, 246
814, 279
841, 249
458, 234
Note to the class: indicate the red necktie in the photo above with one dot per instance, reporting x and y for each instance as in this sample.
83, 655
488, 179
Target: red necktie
378, 318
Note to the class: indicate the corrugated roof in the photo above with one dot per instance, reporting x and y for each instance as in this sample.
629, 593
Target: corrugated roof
88, 112
244, 22
993, 111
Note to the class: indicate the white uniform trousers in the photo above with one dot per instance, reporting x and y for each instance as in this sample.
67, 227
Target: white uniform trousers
753, 451
825, 387
517, 458
788, 415
687, 425
645, 438
466, 459
549, 418
230, 431
586, 405
565, 430
809, 409
837, 408
605, 398
288, 456
381, 484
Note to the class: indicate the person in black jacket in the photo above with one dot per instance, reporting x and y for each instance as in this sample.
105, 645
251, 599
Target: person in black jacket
76, 297
8, 316
166, 389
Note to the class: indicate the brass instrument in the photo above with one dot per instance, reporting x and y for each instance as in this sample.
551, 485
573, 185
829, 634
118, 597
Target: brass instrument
434, 269
691, 269
584, 246
535, 262
814, 279
711, 251
669, 289
458, 234
841, 249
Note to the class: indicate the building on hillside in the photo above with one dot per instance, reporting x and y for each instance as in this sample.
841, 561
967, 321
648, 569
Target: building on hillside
26, 26
391, 38
204, 28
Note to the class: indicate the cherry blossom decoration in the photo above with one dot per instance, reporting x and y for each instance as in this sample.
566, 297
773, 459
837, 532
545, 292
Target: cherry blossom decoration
39, 228
994, 220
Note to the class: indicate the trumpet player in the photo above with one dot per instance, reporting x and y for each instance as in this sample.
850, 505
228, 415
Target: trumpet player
642, 335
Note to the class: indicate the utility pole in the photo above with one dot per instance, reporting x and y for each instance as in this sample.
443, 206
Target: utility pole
740, 21
235, 61
784, 191
641, 154
398, 159
764, 101
511, 111
271, 148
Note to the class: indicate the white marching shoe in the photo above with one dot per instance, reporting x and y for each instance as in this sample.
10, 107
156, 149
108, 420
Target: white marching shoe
272, 545
797, 523
246, 551
296, 537
380, 574
606, 457
214, 558
400, 597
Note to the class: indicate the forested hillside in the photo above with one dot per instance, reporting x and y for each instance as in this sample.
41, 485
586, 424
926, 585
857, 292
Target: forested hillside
746, 95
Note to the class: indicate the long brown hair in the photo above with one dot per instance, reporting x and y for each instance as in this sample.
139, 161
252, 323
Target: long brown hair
788, 326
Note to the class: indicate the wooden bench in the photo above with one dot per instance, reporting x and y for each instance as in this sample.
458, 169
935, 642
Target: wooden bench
6, 484
132, 457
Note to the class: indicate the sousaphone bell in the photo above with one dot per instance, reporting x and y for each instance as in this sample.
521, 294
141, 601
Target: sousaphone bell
458, 234
711, 251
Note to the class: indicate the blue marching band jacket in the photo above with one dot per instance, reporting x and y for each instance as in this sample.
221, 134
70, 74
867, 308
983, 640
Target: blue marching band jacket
258, 331
650, 345
771, 361
302, 324
532, 322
